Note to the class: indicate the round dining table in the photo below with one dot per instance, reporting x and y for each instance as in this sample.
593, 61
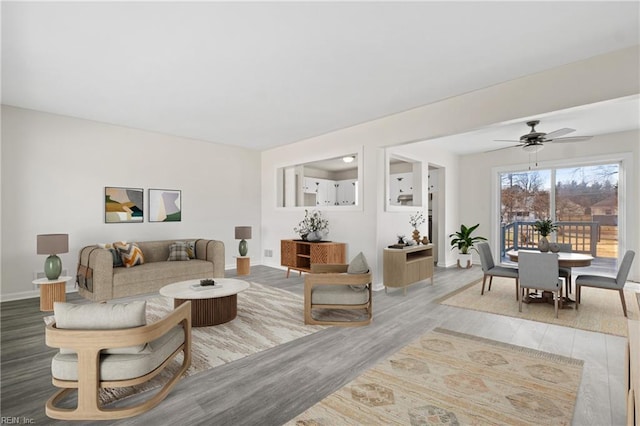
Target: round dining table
567, 260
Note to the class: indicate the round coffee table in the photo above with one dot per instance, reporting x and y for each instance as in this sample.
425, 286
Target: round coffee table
210, 305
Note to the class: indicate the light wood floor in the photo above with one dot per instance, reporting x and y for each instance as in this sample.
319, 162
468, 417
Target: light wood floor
271, 387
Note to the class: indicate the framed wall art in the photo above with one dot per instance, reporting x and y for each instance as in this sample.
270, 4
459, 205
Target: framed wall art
123, 205
165, 205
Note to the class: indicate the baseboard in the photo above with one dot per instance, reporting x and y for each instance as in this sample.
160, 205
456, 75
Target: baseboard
70, 288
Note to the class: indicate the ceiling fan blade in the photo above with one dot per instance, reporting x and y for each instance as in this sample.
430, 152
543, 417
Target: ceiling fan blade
507, 140
558, 133
570, 139
506, 147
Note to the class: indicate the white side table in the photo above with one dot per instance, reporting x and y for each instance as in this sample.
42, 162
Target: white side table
51, 291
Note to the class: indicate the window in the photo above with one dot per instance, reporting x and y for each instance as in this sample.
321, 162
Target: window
583, 202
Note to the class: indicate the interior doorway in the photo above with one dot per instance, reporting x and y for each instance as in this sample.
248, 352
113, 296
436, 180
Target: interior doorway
435, 185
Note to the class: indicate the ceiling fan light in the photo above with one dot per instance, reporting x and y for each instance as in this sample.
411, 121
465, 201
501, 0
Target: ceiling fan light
532, 148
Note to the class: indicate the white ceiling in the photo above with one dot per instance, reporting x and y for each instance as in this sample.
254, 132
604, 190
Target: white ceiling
265, 74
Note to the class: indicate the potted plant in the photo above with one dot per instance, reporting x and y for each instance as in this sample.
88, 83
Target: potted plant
313, 227
464, 241
544, 228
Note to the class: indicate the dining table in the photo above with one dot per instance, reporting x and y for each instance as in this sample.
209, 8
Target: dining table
565, 259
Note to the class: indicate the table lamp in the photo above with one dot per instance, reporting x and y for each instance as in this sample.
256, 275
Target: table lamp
52, 244
243, 233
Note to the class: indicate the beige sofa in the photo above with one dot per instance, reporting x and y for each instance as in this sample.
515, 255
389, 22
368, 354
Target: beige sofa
98, 280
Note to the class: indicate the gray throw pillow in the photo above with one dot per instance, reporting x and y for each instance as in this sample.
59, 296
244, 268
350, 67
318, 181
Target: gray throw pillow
358, 265
178, 251
102, 316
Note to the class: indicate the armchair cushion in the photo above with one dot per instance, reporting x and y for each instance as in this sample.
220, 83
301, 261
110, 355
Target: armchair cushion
338, 295
122, 366
358, 265
101, 316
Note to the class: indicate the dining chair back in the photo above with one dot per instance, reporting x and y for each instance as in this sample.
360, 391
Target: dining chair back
540, 271
565, 271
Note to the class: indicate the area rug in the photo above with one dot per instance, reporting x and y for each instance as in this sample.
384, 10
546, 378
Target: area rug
450, 378
600, 310
267, 317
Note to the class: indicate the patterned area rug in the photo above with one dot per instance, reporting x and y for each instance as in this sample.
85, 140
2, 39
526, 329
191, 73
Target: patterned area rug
449, 378
267, 317
600, 310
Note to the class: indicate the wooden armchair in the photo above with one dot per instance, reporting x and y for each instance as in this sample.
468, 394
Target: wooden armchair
94, 357
328, 286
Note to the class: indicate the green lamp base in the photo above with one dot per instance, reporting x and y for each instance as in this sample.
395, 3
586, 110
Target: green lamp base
52, 267
243, 247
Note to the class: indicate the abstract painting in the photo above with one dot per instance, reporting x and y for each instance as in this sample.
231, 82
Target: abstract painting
123, 205
165, 205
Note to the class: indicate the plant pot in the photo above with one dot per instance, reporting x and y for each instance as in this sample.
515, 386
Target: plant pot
543, 245
464, 260
416, 236
314, 236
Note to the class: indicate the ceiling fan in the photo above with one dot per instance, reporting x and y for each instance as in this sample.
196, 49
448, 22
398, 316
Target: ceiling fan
533, 141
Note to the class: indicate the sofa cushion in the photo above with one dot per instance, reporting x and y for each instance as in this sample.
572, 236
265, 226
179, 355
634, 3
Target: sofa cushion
191, 249
155, 275
178, 251
101, 316
130, 253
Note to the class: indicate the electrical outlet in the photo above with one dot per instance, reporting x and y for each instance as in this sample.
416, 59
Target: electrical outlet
268, 253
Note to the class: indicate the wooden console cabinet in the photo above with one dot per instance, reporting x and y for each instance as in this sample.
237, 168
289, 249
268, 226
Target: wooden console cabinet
299, 255
405, 266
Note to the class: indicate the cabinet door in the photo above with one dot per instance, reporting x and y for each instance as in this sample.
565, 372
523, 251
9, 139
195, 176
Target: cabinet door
287, 253
346, 192
400, 184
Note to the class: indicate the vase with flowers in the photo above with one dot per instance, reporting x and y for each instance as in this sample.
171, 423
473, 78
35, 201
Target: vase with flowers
415, 221
313, 227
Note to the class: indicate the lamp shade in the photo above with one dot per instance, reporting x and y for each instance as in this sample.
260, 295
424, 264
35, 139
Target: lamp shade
52, 243
243, 232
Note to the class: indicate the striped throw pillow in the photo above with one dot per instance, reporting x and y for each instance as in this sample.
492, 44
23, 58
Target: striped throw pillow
130, 253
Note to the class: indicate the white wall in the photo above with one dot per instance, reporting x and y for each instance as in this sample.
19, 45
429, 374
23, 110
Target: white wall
55, 168
475, 194
607, 77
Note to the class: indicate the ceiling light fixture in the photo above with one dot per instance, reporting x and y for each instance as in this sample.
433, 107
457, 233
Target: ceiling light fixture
349, 159
534, 147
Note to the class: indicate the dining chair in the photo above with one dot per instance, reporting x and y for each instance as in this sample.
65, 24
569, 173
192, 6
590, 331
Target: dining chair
540, 271
490, 269
565, 271
610, 283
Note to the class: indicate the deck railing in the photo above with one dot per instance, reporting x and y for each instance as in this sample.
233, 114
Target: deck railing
583, 236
